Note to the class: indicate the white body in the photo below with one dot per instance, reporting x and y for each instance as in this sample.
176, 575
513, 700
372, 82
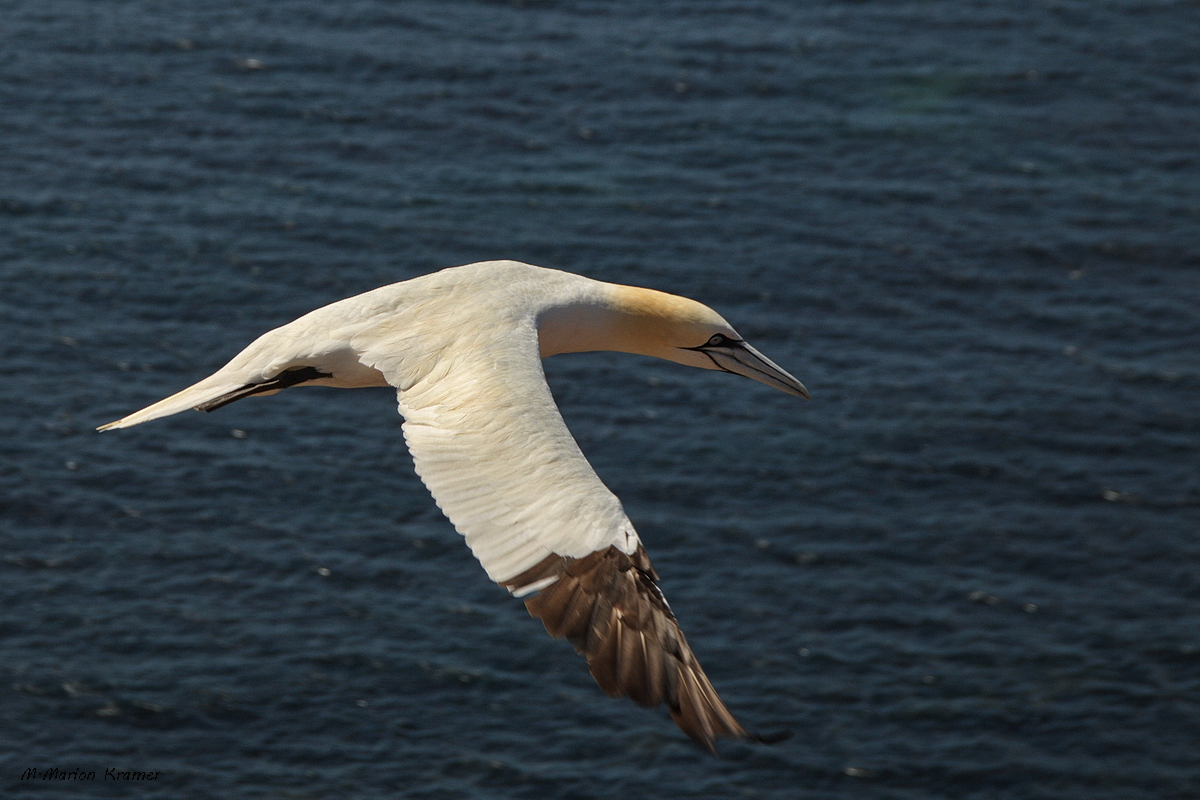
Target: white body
463, 349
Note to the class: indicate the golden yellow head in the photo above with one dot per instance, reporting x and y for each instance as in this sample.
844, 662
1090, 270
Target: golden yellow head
629, 319
658, 324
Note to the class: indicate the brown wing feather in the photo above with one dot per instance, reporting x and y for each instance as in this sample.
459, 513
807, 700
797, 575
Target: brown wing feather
609, 607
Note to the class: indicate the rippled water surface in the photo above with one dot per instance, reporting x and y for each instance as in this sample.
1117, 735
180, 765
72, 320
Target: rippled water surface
968, 568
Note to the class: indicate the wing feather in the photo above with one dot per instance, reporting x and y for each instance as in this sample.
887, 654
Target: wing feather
491, 445
489, 442
609, 607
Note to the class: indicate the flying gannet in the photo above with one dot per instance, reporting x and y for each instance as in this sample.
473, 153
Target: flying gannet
463, 349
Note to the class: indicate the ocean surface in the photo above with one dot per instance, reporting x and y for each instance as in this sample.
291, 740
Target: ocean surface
968, 569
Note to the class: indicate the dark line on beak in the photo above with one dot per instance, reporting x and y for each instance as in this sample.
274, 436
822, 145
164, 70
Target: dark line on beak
759, 371
716, 363
739, 344
705, 350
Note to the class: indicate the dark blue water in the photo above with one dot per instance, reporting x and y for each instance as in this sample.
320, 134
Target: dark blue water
969, 568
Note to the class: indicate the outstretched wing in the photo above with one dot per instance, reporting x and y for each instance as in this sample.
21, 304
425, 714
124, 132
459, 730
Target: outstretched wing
489, 442
608, 605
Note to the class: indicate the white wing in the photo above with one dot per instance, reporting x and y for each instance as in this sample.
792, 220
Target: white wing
489, 442
491, 445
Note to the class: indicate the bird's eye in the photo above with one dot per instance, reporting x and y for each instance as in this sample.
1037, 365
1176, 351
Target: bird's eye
717, 340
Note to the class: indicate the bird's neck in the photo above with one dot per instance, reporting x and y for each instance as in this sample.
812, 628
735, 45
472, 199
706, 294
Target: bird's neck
624, 319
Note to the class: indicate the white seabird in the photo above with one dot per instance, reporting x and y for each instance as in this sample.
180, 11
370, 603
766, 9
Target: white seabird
463, 348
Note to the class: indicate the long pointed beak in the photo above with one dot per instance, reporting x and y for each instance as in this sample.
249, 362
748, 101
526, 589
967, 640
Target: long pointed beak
742, 359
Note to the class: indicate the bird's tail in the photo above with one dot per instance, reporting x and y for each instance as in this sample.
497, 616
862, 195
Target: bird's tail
211, 388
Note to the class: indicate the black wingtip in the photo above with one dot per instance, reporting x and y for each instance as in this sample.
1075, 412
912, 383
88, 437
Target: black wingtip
291, 377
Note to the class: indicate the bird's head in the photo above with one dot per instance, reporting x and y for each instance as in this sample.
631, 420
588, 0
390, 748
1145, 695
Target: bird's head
653, 323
